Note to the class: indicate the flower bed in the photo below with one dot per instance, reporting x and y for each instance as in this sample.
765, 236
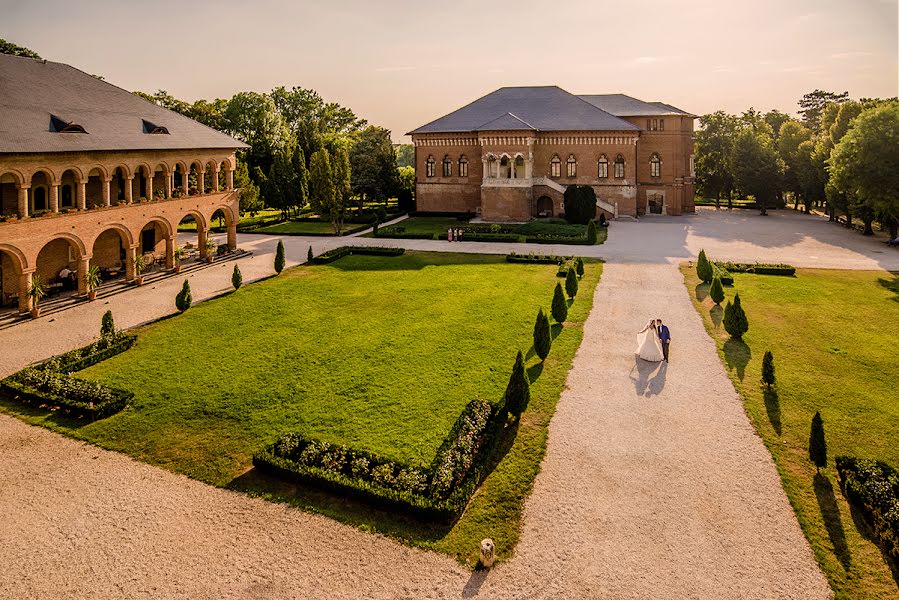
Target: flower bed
439, 492
86, 356
758, 268
873, 487
337, 253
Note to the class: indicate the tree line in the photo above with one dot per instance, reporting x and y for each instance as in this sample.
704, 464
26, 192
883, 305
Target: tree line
840, 153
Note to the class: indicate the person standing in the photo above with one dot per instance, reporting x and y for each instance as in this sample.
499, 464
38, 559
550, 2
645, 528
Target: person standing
664, 337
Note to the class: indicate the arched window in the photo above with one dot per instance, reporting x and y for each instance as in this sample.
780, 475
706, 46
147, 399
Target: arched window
603, 170
655, 166
520, 170
463, 166
619, 167
555, 167
491, 166
65, 198
39, 198
430, 166
571, 166
447, 166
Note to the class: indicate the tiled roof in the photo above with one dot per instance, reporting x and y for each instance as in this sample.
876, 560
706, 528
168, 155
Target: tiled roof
547, 108
622, 105
37, 96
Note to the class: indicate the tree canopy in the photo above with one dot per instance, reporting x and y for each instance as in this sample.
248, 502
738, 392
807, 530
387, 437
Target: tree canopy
16, 50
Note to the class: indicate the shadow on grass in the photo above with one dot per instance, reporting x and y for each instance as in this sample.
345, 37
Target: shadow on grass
717, 314
893, 285
702, 291
534, 372
737, 355
555, 330
864, 529
412, 260
830, 512
56, 417
772, 407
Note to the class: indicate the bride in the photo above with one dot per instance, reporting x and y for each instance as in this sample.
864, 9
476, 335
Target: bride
648, 345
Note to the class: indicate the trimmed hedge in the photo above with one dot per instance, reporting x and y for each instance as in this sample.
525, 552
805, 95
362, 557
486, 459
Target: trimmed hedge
539, 259
88, 356
722, 274
440, 491
758, 268
556, 239
338, 253
468, 236
399, 232
873, 487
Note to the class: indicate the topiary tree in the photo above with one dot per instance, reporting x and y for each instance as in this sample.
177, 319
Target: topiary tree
236, 278
279, 257
559, 306
591, 233
309, 255
107, 325
183, 300
580, 267
704, 267
580, 204
543, 340
374, 229
404, 200
716, 292
817, 445
571, 284
735, 321
518, 392
768, 369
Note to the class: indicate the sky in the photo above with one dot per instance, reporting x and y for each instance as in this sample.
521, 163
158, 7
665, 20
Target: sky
403, 63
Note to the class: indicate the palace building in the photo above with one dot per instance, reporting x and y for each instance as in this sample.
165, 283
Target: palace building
92, 175
510, 155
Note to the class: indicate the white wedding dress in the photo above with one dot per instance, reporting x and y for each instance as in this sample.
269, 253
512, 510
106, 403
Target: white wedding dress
648, 346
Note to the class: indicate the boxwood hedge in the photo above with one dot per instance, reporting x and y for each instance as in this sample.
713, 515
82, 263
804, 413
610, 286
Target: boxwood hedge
873, 487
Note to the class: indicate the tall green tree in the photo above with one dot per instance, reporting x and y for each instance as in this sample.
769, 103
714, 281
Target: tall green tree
811, 106
776, 119
16, 50
714, 146
249, 191
280, 185
790, 147
518, 391
300, 187
405, 155
373, 163
758, 170
340, 165
323, 195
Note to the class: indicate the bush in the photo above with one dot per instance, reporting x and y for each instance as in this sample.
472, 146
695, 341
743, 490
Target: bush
725, 277
704, 267
183, 300
279, 257
337, 253
107, 325
758, 268
817, 445
768, 377
591, 233
405, 201
735, 321
580, 204
518, 392
86, 356
559, 305
716, 292
580, 267
380, 215
571, 283
873, 487
236, 278
309, 255
537, 259
542, 336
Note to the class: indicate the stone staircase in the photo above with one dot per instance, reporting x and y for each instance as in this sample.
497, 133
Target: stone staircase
612, 209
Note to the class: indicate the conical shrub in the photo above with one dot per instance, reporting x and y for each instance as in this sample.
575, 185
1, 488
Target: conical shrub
309, 255
704, 267
107, 325
716, 291
591, 233
768, 377
183, 300
580, 267
518, 392
735, 321
236, 278
543, 340
571, 284
560, 305
279, 257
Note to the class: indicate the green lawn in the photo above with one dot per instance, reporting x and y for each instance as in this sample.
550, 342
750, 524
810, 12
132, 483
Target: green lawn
833, 337
437, 226
378, 353
245, 219
305, 227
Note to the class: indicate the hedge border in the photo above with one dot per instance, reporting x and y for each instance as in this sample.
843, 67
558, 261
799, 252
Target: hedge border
757, 268
873, 487
338, 253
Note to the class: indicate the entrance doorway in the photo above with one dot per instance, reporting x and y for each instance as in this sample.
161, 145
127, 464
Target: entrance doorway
148, 240
655, 203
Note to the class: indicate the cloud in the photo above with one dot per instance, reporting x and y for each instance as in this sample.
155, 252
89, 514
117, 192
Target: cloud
853, 54
393, 69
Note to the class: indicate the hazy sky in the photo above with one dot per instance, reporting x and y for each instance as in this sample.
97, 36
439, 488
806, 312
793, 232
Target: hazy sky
403, 63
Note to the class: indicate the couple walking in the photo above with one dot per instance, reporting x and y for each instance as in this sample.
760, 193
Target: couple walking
653, 342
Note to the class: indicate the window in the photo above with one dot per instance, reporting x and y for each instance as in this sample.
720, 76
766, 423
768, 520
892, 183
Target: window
655, 166
65, 200
655, 124
430, 166
619, 167
571, 166
555, 167
603, 167
491, 166
661, 124
648, 124
447, 167
463, 166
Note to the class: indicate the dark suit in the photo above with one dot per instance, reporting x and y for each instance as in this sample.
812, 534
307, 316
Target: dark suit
665, 338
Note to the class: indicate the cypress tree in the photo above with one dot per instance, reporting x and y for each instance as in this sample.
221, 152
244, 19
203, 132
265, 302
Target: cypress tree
704, 267
735, 321
236, 278
309, 255
107, 325
183, 300
571, 284
817, 445
559, 306
279, 257
768, 369
716, 292
591, 233
518, 392
580, 267
542, 338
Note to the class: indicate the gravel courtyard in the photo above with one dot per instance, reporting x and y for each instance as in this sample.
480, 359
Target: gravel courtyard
654, 483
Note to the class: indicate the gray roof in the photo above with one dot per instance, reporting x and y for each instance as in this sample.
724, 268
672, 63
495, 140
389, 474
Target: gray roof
548, 108
32, 92
622, 105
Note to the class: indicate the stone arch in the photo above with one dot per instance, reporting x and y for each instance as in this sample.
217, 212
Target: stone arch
21, 259
126, 170
124, 232
76, 171
543, 207
12, 265
210, 179
52, 179
60, 251
199, 218
227, 164
229, 216
108, 255
100, 169
505, 166
16, 174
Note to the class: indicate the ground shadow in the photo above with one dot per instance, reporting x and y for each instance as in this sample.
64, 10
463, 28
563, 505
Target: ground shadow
657, 382
864, 529
717, 315
772, 406
641, 373
830, 512
534, 372
702, 291
55, 416
892, 285
555, 330
737, 355
473, 586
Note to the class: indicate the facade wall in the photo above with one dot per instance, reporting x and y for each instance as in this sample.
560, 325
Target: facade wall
506, 203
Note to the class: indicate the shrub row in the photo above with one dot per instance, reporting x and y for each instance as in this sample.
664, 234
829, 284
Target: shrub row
558, 239
722, 274
440, 491
537, 259
873, 487
337, 253
86, 356
758, 268
468, 236
399, 231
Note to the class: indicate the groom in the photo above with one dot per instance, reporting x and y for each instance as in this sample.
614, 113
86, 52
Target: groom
664, 337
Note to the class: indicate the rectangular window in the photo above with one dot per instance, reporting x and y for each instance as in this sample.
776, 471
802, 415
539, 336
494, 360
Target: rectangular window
648, 124
429, 168
661, 124
655, 124
619, 170
572, 168
603, 170
655, 168
463, 168
447, 168
556, 169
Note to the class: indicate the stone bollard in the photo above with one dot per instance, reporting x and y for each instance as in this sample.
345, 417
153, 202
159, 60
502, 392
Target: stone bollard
488, 552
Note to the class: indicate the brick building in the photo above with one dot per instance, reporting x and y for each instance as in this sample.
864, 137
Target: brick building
92, 175
509, 155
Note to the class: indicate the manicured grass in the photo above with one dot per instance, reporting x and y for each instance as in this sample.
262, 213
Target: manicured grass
377, 353
833, 337
437, 226
246, 219
307, 228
